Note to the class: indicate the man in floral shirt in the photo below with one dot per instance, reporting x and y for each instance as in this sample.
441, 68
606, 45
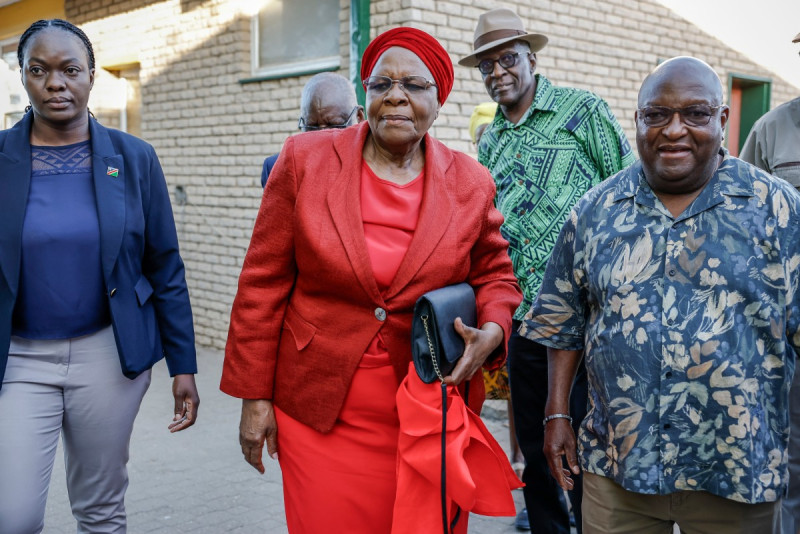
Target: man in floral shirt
678, 278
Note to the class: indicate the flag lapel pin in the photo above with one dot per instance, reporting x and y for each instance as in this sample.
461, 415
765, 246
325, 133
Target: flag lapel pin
111, 171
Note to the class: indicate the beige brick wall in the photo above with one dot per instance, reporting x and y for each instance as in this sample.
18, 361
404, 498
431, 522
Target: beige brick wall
605, 46
212, 132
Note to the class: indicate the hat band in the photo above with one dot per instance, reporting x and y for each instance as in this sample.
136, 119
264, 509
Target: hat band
495, 35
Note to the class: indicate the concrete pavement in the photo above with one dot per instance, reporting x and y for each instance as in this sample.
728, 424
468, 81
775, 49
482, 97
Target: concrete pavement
196, 481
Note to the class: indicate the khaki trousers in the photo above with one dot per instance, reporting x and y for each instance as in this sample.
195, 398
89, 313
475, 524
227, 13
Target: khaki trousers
610, 509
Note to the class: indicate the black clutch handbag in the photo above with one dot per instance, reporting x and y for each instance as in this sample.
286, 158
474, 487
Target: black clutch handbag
435, 344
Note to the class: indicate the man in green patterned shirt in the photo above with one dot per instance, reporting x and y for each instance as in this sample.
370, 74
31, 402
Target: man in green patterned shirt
546, 147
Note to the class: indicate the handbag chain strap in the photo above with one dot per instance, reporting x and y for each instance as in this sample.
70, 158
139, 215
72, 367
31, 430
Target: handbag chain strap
430, 347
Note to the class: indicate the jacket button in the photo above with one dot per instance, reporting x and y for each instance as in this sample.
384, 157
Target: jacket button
112, 292
380, 314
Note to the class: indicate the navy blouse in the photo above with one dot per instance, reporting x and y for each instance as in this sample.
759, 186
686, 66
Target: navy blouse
61, 290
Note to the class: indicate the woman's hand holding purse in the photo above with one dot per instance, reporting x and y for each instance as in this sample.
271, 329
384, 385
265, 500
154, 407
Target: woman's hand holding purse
478, 345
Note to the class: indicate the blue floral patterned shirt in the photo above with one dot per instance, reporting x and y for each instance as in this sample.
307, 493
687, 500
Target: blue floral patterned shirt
690, 330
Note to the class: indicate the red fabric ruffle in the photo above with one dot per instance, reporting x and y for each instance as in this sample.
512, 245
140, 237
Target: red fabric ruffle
479, 475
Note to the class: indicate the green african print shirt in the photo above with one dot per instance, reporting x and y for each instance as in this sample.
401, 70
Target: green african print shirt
566, 143
690, 328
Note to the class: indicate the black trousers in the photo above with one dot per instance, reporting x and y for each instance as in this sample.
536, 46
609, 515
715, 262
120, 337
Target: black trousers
527, 370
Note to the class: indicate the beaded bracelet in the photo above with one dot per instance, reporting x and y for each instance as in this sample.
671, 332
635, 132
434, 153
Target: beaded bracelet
556, 416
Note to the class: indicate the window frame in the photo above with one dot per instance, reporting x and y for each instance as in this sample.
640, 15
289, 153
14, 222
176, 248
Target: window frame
289, 69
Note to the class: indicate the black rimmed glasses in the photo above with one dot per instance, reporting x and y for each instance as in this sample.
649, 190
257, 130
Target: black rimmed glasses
697, 115
301, 123
411, 85
507, 60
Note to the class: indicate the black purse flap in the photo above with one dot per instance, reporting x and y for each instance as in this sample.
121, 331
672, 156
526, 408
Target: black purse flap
438, 310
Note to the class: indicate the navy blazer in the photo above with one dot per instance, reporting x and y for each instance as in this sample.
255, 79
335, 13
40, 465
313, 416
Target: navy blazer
143, 273
268, 164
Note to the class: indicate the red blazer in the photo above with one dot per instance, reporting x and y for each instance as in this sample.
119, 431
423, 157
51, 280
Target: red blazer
308, 305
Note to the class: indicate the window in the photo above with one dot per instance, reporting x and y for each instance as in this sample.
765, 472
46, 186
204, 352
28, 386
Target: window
296, 36
748, 99
12, 95
117, 98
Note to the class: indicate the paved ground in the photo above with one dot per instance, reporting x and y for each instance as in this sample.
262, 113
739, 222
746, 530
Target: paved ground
196, 481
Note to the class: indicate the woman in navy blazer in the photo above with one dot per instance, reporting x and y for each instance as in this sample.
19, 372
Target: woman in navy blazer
92, 292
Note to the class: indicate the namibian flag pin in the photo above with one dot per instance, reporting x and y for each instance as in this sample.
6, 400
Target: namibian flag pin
112, 172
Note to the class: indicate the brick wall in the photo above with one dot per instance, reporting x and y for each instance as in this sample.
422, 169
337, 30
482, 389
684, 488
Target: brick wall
212, 132
605, 46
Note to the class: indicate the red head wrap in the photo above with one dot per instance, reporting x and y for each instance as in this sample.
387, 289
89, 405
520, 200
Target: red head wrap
423, 45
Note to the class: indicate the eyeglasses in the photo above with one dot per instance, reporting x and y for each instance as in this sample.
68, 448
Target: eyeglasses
697, 115
301, 123
507, 60
411, 85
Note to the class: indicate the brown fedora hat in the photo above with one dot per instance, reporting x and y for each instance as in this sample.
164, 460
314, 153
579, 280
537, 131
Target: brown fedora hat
796, 38
497, 27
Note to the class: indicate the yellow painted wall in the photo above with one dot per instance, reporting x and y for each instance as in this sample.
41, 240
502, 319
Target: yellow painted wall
14, 18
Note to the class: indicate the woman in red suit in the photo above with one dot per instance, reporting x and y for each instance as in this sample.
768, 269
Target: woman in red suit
354, 226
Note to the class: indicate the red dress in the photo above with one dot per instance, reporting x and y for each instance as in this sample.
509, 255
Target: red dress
345, 481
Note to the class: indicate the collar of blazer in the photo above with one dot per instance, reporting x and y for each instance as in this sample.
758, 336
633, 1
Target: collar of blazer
15, 179
434, 217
